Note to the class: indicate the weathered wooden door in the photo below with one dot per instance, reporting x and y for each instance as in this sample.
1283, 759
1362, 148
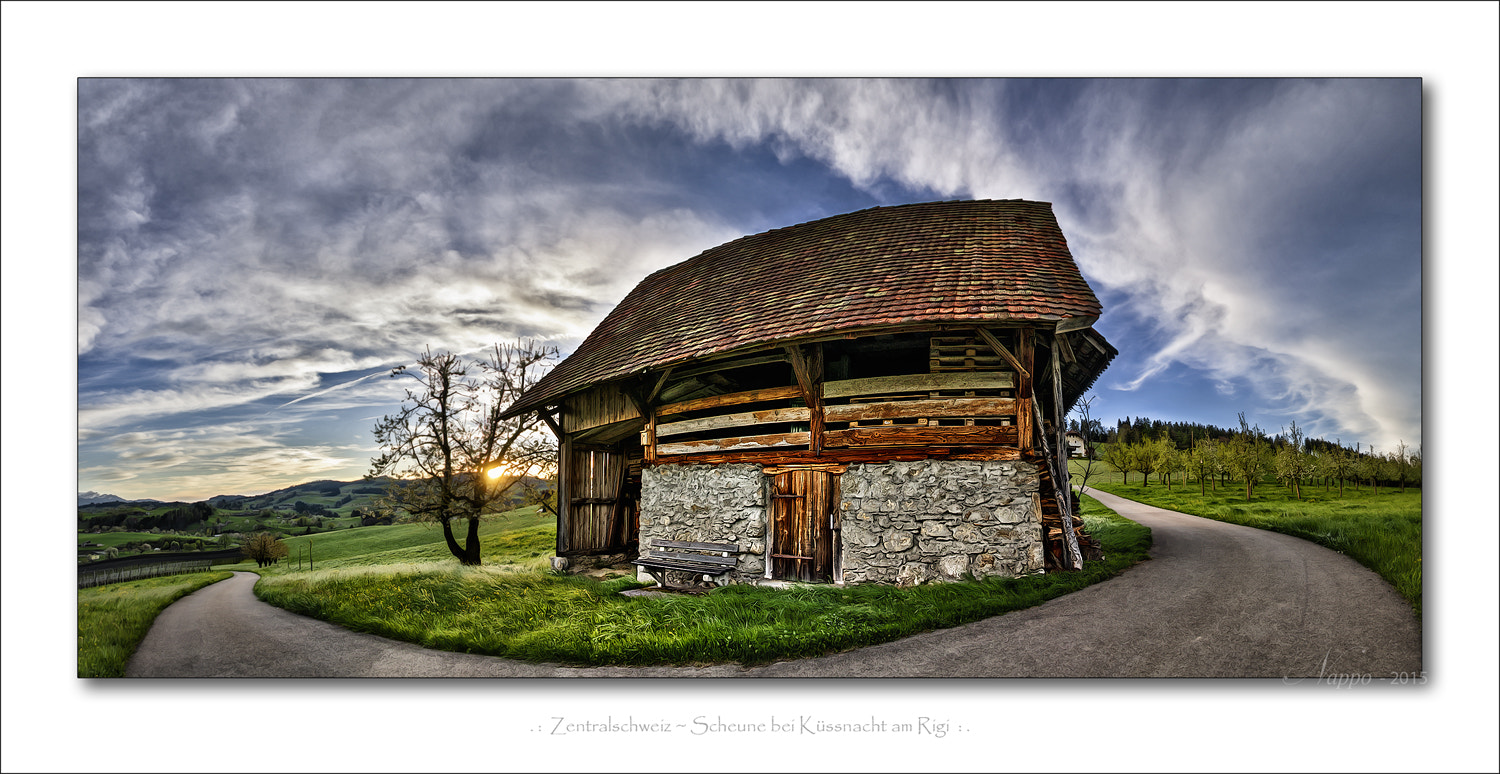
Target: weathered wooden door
801, 537
599, 511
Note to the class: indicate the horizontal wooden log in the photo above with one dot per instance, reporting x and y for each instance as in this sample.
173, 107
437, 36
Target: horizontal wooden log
765, 416
772, 441
730, 399
907, 435
939, 407
956, 380
790, 457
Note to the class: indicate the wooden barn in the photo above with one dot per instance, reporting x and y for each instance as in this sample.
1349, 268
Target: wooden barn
871, 397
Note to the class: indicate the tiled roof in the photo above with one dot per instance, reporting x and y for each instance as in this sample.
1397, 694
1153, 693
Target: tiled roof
939, 262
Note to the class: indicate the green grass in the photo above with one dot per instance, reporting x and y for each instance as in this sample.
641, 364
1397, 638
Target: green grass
1380, 531
511, 607
113, 539
113, 619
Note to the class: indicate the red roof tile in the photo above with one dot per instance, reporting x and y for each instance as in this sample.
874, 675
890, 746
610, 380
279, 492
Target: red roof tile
939, 262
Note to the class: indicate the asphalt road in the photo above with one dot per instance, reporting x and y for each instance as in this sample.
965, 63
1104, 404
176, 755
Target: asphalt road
1216, 600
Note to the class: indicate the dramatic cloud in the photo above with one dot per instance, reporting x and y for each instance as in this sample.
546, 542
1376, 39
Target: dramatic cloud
254, 250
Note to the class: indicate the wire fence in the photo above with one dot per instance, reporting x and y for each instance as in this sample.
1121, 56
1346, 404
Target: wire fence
99, 577
128, 568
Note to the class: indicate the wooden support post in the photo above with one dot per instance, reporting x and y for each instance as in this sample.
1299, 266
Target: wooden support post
1060, 477
1025, 389
808, 369
564, 492
643, 405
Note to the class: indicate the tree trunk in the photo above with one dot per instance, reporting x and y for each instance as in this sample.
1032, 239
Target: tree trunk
472, 544
453, 546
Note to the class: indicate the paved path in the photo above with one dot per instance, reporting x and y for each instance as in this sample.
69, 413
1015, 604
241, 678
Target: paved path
1216, 600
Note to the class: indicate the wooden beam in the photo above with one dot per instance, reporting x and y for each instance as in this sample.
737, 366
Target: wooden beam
1075, 323
730, 399
823, 467
906, 409
951, 380
999, 347
661, 382
766, 416
1096, 345
914, 435
851, 455
731, 444
1067, 349
551, 423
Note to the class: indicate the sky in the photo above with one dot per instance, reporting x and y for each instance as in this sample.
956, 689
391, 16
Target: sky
216, 265
254, 254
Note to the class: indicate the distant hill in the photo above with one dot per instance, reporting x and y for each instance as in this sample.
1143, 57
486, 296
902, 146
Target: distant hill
334, 494
89, 498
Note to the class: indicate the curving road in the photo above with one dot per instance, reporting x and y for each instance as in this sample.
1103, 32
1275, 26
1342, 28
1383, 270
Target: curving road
1216, 600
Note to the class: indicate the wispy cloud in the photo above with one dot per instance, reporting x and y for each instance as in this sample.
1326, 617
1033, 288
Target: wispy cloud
250, 245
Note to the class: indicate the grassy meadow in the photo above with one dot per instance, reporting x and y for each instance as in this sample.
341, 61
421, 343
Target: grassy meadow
400, 582
113, 619
514, 607
1382, 531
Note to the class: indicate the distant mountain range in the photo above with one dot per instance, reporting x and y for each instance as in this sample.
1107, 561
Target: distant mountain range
356, 492
89, 498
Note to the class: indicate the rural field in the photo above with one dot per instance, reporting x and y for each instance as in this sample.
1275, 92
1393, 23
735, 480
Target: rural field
400, 582
1381, 530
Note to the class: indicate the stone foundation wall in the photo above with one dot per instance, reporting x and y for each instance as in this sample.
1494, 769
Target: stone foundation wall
707, 504
902, 523
912, 522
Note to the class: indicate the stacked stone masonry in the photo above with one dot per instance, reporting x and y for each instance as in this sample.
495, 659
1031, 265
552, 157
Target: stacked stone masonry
907, 523
902, 523
707, 504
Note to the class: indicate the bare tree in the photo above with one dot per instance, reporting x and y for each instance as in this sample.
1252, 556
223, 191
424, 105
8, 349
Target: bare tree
1086, 427
457, 458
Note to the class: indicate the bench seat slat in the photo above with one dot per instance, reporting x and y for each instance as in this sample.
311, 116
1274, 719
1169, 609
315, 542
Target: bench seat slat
729, 561
706, 569
732, 548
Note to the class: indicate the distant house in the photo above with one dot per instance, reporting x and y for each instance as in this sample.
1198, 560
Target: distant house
863, 398
1076, 446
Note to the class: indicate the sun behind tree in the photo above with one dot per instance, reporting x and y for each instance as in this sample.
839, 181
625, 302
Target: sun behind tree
456, 459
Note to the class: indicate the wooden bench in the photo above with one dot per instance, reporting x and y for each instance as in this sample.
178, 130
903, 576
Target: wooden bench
707, 559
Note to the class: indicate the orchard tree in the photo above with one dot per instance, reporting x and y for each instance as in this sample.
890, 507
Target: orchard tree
264, 548
1205, 460
1117, 455
1168, 460
1248, 455
1402, 464
1292, 463
456, 458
